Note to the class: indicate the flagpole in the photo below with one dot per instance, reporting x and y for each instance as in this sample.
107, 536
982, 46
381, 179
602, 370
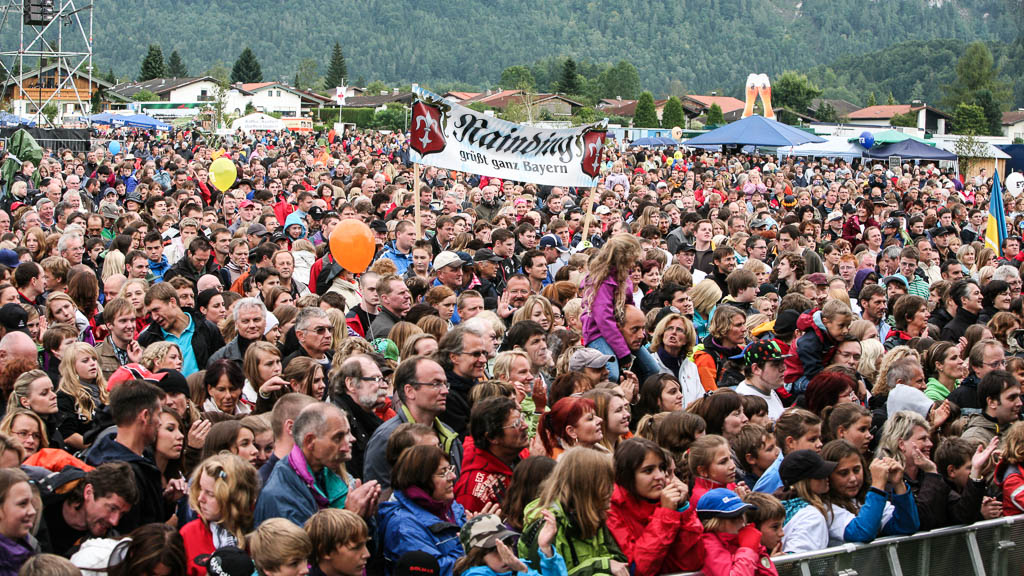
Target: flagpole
416, 197
590, 211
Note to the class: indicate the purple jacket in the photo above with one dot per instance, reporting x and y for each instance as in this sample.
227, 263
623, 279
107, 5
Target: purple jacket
600, 322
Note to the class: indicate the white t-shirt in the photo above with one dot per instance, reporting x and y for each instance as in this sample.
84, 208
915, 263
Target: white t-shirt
806, 531
775, 406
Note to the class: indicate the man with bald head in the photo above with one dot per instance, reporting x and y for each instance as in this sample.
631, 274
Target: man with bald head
17, 345
360, 388
208, 281
112, 286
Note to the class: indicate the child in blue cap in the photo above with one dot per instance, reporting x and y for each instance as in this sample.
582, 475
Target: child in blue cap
732, 547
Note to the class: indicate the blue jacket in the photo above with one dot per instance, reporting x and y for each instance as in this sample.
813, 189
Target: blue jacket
293, 219
553, 566
285, 496
402, 261
868, 523
158, 268
152, 507
404, 526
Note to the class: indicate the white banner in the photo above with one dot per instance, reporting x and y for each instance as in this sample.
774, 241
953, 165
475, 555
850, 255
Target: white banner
451, 136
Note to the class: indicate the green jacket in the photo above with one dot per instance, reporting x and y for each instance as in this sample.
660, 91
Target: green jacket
935, 391
583, 557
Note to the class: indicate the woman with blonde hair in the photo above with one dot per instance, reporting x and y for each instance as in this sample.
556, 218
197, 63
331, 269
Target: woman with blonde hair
306, 376
881, 388
223, 494
262, 368
420, 344
34, 391
28, 428
871, 352
434, 326
401, 332
672, 346
761, 270
577, 492
134, 290
339, 329
706, 296
538, 309
35, 242
162, 356
82, 392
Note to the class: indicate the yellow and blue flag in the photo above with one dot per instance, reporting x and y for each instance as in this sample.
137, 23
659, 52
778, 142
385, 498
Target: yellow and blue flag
995, 232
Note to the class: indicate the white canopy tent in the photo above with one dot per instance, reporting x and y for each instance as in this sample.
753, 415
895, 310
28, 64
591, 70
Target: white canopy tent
258, 123
833, 147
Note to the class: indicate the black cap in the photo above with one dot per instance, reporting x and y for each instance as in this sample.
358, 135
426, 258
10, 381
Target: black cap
766, 289
227, 561
891, 223
379, 227
173, 382
317, 213
486, 255
804, 464
14, 318
417, 563
785, 322
686, 247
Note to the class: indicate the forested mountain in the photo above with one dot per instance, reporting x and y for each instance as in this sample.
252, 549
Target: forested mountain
697, 45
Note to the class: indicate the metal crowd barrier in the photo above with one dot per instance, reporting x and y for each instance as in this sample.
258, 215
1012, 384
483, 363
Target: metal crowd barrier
987, 548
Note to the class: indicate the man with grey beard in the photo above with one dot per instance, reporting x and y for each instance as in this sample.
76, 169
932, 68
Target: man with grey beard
359, 388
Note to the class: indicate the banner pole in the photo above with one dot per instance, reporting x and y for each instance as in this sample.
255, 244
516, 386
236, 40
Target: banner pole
585, 237
416, 197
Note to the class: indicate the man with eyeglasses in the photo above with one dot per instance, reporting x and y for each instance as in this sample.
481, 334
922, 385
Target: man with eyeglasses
499, 436
313, 331
985, 356
462, 352
421, 388
359, 389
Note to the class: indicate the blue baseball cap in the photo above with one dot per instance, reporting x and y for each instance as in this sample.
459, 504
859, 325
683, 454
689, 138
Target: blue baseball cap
722, 503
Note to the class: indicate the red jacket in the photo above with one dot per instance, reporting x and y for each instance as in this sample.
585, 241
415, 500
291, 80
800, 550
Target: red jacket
483, 479
724, 557
656, 540
198, 540
1011, 480
702, 486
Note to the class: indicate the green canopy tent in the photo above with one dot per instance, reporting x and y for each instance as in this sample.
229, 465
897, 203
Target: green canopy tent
21, 147
887, 137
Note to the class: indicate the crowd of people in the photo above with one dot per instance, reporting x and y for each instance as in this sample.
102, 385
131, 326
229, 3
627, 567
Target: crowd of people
706, 361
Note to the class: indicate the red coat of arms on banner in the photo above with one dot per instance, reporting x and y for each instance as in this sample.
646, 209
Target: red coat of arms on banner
426, 134
593, 142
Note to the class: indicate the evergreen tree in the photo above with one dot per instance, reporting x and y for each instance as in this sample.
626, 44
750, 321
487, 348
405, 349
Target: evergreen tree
110, 77
337, 70
152, 64
673, 114
715, 116
175, 67
891, 100
569, 83
645, 116
871, 99
969, 119
246, 68
993, 112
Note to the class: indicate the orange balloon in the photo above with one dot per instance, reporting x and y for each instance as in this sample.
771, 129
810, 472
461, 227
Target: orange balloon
352, 245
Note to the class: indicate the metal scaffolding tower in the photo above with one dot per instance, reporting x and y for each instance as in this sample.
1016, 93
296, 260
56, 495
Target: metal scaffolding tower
51, 35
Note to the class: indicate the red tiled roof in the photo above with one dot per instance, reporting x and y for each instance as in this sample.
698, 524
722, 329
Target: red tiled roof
726, 103
881, 112
1013, 117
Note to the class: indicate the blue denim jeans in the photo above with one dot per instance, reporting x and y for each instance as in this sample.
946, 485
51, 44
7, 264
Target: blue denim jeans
644, 363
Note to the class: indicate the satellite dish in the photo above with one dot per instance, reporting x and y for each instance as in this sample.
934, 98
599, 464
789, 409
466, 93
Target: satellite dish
1015, 184
677, 133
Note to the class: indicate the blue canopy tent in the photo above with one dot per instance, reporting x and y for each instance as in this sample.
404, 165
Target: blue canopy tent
911, 149
7, 119
754, 131
654, 141
101, 118
1016, 161
147, 122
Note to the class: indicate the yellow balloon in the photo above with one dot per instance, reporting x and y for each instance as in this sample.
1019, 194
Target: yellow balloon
223, 173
